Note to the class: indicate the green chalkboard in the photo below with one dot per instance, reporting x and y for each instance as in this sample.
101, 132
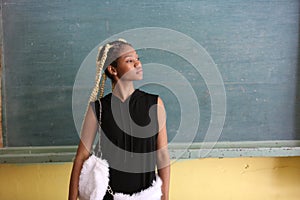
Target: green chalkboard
254, 44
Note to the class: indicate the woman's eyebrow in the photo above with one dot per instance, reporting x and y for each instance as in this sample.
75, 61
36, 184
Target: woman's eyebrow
130, 55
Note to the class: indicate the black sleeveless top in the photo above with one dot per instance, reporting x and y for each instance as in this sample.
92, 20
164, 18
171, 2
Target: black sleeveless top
129, 140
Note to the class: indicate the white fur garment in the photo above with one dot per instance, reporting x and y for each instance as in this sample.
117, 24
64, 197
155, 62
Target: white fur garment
151, 193
93, 179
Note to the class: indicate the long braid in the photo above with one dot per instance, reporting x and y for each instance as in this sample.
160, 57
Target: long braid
102, 85
100, 61
99, 67
100, 64
102, 58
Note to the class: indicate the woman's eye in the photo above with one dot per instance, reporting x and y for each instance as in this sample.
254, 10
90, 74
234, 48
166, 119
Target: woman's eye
129, 61
132, 60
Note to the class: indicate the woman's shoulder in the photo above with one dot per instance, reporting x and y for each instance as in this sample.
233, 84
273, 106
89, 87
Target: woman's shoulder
142, 92
146, 95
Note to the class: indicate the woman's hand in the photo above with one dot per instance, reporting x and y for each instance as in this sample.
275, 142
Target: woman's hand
88, 132
163, 159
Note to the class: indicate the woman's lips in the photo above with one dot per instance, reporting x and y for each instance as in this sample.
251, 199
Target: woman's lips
139, 71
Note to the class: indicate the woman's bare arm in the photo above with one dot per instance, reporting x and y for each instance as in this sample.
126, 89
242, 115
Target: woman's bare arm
163, 160
88, 132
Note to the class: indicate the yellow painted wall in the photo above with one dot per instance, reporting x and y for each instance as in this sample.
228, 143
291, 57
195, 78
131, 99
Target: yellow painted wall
210, 178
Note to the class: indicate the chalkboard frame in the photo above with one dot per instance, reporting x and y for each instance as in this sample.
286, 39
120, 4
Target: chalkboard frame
52, 154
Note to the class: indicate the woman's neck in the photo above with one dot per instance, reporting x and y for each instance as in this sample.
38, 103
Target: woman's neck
123, 89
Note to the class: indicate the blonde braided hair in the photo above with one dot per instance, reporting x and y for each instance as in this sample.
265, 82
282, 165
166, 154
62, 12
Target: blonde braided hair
99, 68
100, 62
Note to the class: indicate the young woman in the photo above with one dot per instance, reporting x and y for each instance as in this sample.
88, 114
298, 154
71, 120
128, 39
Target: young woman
133, 127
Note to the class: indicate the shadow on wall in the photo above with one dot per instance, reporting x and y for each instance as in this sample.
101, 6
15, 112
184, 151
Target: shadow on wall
286, 176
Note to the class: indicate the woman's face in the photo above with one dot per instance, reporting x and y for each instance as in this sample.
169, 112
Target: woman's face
129, 67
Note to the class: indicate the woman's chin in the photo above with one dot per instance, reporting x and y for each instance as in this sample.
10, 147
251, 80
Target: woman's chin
138, 77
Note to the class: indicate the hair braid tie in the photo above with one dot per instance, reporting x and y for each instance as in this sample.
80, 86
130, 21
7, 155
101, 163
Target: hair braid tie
98, 54
122, 40
102, 85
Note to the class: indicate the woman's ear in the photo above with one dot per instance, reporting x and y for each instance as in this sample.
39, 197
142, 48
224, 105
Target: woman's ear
112, 70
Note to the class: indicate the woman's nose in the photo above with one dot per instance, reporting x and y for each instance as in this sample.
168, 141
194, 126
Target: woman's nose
137, 63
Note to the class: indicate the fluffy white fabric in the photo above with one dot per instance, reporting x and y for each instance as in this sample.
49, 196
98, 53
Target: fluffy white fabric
151, 193
93, 179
